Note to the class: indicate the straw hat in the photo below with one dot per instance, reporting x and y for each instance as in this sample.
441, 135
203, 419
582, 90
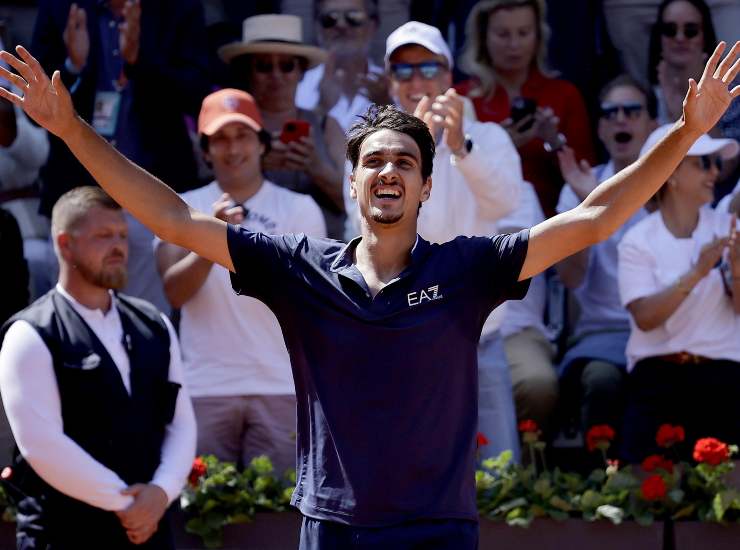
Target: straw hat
281, 34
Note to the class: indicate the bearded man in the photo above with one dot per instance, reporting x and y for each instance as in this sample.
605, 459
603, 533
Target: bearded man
91, 383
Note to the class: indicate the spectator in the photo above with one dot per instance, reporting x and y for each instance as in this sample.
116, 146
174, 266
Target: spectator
90, 380
683, 347
681, 40
629, 23
529, 352
112, 55
477, 181
268, 63
506, 54
24, 148
594, 368
243, 396
14, 279
348, 82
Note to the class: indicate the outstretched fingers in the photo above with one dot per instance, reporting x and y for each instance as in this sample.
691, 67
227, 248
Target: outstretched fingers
711, 65
10, 96
22, 69
725, 65
16, 80
35, 66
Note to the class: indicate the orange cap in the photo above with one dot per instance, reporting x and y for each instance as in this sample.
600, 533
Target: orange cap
228, 105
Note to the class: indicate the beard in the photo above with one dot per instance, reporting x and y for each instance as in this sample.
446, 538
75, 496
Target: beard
112, 278
379, 216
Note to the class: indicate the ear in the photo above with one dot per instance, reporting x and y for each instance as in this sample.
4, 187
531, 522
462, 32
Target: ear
426, 190
64, 242
352, 186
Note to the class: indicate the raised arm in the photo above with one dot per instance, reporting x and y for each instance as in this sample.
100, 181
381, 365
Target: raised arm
614, 201
148, 199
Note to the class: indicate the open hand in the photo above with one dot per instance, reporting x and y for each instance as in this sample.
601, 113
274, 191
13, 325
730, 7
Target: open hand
709, 256
578, 174
76, 38
141, 518
46, 101
707, 100
444, 112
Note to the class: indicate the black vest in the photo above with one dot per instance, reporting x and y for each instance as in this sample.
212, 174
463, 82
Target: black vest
121, 431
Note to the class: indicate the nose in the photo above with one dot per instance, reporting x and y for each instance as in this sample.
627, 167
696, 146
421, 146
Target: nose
388, 172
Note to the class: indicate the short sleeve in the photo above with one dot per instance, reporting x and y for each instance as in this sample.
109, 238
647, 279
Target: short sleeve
499, 261
261, 261
635, 272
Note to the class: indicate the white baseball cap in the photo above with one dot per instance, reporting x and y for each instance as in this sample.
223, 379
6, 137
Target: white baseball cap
422, 34
705, 145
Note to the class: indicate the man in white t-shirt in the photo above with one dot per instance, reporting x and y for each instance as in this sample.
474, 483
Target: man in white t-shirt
593, 369
236, 365
349, 82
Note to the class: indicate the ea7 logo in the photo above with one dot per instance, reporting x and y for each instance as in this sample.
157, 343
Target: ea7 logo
427, 295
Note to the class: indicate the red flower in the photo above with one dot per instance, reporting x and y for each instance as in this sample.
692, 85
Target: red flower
711, 450
655, 462
653, 488
197, 471
669, 435
481, 440
528, 426
599, 436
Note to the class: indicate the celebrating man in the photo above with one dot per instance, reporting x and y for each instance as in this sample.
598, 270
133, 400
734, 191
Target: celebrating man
386, 407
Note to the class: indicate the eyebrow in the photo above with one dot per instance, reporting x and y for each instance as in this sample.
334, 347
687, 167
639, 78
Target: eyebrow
396, 152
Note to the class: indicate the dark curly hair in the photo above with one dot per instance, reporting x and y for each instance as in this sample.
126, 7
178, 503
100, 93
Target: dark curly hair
389, 117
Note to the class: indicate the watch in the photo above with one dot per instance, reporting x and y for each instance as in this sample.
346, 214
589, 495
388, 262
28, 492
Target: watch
463, 151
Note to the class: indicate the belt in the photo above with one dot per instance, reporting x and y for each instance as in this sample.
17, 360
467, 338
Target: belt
684, 358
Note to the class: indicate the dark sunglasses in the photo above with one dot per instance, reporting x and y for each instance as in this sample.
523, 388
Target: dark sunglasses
405, 71
670, 30
266, 67
610, 111
353, 18
706, 162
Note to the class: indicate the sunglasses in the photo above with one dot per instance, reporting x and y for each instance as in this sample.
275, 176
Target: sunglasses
265, 67
352, 18
670, 30
632, 110
405, 71
707, 161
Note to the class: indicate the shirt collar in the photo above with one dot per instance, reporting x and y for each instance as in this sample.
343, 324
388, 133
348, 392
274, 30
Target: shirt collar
84, 310
345, 258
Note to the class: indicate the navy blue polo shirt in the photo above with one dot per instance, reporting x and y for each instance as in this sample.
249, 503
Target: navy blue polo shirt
386, 387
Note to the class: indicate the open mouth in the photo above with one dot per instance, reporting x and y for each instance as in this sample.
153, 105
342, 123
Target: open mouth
623, 137
387, 193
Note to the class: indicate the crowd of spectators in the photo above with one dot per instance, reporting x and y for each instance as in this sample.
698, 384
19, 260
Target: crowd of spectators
625, 333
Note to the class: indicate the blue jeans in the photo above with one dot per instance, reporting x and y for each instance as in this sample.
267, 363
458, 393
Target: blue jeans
441, 534
496, 412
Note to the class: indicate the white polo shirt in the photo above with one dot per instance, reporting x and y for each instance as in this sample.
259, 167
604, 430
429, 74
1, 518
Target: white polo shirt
233, 345
652, 259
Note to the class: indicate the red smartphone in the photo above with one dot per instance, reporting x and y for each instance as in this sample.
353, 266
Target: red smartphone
293, 130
